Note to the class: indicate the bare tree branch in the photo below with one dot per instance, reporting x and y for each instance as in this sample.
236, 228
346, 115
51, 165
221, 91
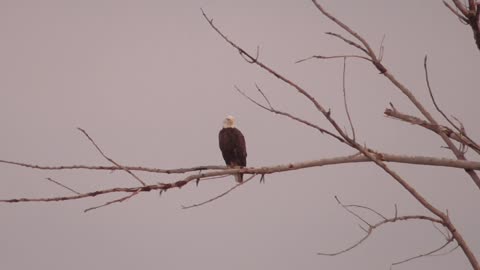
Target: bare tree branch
109, 159
435, 128
387, 157
260, 171
62, 185
375, 226
345, 98
469, 15
425, 254
114, 168
295, 118
114, 201
220, 195
454, 11
348, 41
333, 57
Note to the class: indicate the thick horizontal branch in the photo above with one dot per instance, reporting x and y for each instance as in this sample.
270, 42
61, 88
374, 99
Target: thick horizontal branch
415, 160
197, 177
114, 168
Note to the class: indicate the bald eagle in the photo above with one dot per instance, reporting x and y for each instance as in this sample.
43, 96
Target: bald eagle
232, 145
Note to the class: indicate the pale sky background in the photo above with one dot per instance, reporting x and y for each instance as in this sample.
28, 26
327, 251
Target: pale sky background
151, 82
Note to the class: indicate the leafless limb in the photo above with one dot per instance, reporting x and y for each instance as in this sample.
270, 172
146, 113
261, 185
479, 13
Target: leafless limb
368, 233
220, 195
468, 15
259, 171
367, 208
382, 49
425, 66
446, 252
461, 7
345, 98
430, 253
385, 220
297, 119
375, 226
109, 159
333, 57
446, 235
264, 96
114, 168
387, 157
394, 113
62, 185
348, 41
114, 201
347, 208
454, 11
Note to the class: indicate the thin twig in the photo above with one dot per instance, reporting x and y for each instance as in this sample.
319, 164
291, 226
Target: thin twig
460, 16
446, 235
114, 168
348, 41
62, 185
430, 253
114, 201
461, 7
273, 110
394, 113
345, 98
264, 96
109, 159
375, 226
367, 208
446, 252
220, 195
351, 212
333, 57
425, 66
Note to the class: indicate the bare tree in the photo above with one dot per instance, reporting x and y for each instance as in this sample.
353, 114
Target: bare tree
452, 132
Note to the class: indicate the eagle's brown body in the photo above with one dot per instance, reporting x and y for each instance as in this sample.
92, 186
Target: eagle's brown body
234, 150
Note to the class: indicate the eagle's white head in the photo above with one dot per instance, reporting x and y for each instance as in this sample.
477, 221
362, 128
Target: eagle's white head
229, 122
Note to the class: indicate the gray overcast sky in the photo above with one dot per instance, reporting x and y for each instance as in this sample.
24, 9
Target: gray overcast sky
151, 82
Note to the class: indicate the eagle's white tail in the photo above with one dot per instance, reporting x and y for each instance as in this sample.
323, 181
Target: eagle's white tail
239, 178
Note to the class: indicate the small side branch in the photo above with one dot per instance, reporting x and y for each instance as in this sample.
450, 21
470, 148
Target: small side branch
288, 115
345, 99
430, 253
114, 201
62, 185
461, 17
394, 113
348, 41
469, 15
333, 57
220, 195
371, 228
109, 159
